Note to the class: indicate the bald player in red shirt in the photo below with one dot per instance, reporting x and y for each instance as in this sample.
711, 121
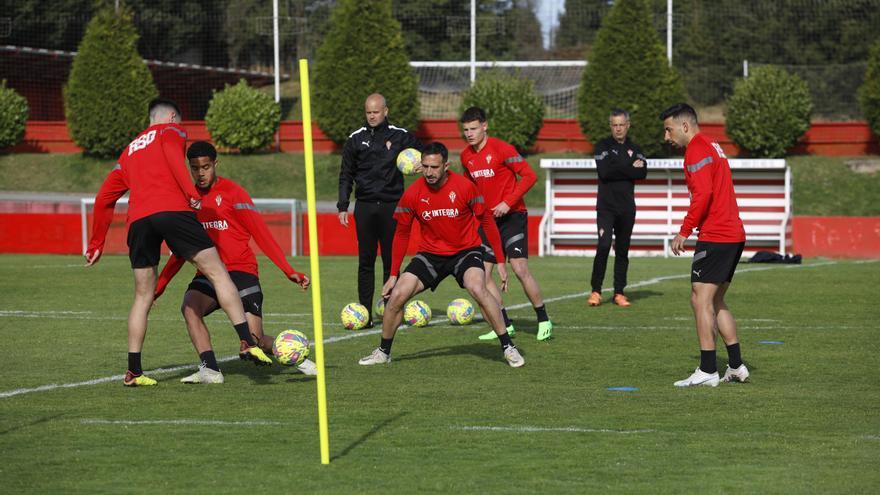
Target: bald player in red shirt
714, 212
161, 202
449, 210
493, 165
231, 219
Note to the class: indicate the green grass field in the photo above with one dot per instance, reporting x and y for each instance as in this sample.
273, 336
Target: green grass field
448, 416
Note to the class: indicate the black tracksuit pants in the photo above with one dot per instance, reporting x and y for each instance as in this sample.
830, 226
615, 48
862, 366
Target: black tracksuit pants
621, 225
375, 227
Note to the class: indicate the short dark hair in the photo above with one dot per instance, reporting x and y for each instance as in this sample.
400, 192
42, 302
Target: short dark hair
617, 112
163, 102
472, 114
201, 148
678, 111
436, 148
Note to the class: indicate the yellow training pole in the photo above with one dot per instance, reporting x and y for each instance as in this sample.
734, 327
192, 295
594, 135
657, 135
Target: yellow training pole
313, 258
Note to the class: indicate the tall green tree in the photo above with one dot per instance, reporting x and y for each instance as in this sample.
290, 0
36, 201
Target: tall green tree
579, 22
869, 92
363, 53
109, 87
628, 70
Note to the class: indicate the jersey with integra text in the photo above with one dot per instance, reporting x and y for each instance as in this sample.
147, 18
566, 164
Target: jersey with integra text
230, 218
494, 169
447, 216
713, 209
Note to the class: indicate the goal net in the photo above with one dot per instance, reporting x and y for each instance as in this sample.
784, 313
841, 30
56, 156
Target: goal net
282, 216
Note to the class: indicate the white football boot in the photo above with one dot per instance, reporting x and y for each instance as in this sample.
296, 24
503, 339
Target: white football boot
699, 377
513, 357
376, 357
740, 374
308, 367
204, 375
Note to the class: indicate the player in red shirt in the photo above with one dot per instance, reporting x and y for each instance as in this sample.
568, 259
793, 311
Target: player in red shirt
160, 208
714, 212
231, 220
493, 165
449, 210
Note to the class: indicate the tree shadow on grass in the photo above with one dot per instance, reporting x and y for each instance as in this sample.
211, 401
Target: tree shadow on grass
44, 419
363, 438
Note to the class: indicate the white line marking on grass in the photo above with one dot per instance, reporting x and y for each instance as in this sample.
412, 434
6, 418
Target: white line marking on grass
179, 422
353, 335
538, 429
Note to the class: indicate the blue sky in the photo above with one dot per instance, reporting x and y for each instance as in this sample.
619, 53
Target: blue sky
548, 13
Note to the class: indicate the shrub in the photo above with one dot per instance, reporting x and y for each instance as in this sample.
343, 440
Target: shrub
242, 117
768, 111
109, 87
363, 53
628, 70
13, 116
869, 93
515, 112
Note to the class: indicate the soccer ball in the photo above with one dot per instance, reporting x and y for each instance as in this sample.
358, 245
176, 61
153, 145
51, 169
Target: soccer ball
460, 311
407, 160
291, 347
354, 316
380, 307
417, 314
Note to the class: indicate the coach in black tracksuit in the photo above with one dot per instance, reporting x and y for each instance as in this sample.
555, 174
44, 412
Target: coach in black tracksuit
619, 163
369, 166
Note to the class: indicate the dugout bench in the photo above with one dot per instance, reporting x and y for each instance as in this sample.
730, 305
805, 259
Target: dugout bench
568, 227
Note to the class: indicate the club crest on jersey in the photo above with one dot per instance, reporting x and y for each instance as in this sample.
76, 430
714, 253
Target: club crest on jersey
488, 159
388, 144
218, 199
452, 196
630, 152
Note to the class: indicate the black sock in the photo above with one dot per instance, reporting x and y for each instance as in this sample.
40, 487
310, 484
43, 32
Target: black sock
541, 311
209, 360
506, 318
505, 341
244, 333
734, 360
707, 361
385, 345
134, 363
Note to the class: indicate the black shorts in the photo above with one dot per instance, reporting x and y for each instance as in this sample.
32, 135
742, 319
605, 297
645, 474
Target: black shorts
179, 229
431, 269
514, 229
715, 262
248, 289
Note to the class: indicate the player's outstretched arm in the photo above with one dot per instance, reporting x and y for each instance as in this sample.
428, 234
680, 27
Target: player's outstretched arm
346, 181
246, 213
111, 190
171, 268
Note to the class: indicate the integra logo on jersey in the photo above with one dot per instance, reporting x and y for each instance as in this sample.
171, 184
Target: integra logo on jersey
442, 212
486, 172
216, 225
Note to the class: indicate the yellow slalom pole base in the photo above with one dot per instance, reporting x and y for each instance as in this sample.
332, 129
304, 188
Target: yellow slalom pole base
313, 260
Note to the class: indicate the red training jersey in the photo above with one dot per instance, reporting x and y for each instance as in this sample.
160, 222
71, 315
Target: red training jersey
449, 217
230, 218
494, 169
153, 169
713, 209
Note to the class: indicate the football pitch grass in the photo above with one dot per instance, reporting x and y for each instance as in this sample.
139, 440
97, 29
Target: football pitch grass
448, 415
